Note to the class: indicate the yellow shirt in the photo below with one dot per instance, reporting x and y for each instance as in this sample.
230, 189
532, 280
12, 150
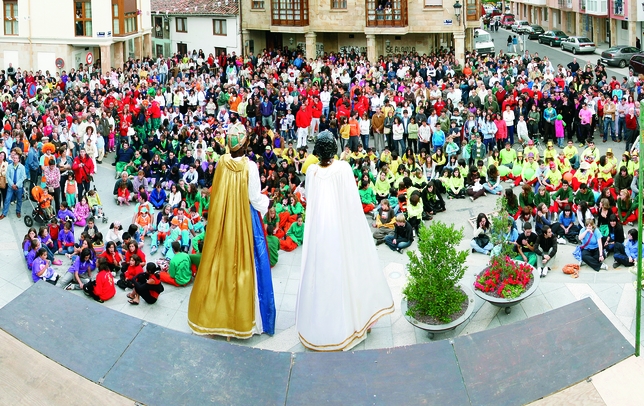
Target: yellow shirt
563, 166
604, 172
534, 150
550, 154
570, 152
554, 176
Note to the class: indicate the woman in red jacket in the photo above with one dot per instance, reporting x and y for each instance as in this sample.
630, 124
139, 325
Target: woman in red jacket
102, 288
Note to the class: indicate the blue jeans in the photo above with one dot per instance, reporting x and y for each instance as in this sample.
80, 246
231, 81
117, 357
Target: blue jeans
485, 250
389, 240
621, 127
399, 146
365, 141
609, 129
10, 195
494, 190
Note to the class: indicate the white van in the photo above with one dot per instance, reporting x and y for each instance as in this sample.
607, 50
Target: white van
483, 43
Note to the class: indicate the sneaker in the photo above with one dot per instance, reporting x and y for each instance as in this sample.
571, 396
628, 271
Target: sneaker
545, 271
615, 264
562, 241
520, 183
471, 198
540, 270
604, 267
57, 262
473, 251
153, 250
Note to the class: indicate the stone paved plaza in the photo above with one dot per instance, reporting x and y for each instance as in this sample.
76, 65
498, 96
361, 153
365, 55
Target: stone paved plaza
612, 290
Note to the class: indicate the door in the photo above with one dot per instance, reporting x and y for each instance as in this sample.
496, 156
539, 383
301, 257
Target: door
182, 48
273, 40
219, 51
159, 49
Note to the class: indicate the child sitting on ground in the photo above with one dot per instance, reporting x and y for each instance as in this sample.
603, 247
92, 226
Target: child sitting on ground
41, 268
273, 245
102, 288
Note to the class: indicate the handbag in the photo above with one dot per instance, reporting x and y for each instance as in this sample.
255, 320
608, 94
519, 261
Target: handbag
482, 240
387, 130
577, 252
3, 182
604, 230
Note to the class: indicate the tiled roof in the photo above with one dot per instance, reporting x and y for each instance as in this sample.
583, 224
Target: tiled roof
196, 7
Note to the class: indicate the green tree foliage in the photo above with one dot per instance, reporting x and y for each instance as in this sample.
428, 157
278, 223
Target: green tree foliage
435, 271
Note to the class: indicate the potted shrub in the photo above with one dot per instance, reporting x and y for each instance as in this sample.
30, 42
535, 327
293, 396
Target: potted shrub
506, 281
433, 299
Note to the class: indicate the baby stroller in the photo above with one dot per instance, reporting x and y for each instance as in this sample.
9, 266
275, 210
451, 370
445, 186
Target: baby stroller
38, 204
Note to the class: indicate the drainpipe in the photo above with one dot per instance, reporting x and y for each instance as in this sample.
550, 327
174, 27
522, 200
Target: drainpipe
31, 45
240, 29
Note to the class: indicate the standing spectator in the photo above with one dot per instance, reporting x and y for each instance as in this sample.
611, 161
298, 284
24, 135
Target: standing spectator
316, 112
83, 168
15, 179
302, 122
266, 110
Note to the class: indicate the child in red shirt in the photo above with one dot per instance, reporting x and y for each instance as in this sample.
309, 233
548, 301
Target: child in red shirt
102, 288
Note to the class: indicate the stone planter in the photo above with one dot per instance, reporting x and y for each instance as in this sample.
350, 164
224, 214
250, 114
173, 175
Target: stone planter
432, 329
508, 303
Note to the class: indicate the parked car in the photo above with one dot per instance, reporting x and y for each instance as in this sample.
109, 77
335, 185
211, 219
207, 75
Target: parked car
578, 45
636, 64
534, 31
618, 55
519, 24
507, 20
552, 38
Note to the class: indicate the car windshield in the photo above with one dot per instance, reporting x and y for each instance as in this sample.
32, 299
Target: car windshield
537, 27
483, 38
584, 40
613, 49
559, 33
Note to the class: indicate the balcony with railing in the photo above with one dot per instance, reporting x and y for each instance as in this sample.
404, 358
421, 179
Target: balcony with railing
388, 13
565, 4
290, 12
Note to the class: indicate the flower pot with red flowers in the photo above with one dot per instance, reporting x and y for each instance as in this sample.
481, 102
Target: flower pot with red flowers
506, 282
434, 300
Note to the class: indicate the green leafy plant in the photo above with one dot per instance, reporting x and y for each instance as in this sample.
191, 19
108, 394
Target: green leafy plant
434, 273
500, 224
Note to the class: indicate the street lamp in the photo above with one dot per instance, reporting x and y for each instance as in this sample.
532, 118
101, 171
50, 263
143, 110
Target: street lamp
457, 11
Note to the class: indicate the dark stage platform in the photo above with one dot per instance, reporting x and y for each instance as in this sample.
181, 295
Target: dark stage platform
509, 365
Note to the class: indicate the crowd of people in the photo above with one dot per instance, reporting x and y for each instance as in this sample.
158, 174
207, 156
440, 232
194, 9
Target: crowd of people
416, 129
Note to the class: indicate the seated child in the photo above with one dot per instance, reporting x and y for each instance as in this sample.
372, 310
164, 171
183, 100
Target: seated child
65, 214
179, 273
294, 235
41, 269
66, 239
90, 228
134, 268
102, 288
273, 245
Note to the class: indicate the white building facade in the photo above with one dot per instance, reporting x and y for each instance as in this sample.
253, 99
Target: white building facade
182, 26
58, 35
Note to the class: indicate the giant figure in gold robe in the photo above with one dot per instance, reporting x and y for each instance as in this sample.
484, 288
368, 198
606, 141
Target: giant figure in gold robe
233, 290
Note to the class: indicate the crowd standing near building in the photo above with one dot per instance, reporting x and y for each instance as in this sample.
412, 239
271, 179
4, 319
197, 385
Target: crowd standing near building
417, 130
